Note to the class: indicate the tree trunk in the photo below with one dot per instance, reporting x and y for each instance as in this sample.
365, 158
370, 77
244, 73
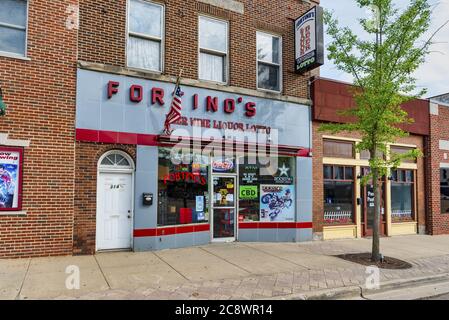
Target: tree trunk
375, 253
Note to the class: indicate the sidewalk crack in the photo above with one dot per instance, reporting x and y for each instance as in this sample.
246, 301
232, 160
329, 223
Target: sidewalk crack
102, 273
275, 256
188, 280
23, 280
224, 259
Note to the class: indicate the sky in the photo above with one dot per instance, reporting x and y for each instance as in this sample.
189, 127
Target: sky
433, 74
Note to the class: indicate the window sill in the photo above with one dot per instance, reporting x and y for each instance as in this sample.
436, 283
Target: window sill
211, 82
336, 224
13, 213
14, 56
269, 91
144, 71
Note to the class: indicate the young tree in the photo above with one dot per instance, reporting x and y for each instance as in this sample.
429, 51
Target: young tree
382, 67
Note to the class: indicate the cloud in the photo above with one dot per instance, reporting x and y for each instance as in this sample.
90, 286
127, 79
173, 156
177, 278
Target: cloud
433, 74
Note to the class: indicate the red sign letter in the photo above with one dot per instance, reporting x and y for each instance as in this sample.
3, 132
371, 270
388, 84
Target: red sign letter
250, 109
229, 105
132, 93
195, 101
212, 104
157, 95
112, 88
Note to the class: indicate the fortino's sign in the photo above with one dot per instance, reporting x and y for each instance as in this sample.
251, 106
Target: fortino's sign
309, 47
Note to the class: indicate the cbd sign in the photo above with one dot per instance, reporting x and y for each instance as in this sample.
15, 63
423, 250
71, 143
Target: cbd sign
248, 192
309, 47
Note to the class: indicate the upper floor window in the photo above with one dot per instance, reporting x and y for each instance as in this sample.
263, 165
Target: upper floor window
338, 149
402, 150
213, 42
13, 27
145, 38
269, 62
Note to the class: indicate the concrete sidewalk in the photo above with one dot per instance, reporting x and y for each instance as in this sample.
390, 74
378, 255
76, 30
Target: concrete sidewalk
222, 271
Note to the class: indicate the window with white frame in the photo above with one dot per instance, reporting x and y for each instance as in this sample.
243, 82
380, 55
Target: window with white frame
145, 38
269, 54
213, 42
13, 27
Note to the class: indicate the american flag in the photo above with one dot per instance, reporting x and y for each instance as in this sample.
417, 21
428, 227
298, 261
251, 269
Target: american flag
175, 109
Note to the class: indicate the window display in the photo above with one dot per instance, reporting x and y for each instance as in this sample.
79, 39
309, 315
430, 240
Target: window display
183, 188
267, 192
10, 179
338, 194
402, 189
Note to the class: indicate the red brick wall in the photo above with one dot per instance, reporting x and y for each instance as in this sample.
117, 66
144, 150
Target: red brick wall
87, 156
330, 96
318, 195
439, 130
102, 37
40, 95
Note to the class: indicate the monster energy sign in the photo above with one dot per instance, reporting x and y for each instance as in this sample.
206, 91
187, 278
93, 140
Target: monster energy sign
309, 48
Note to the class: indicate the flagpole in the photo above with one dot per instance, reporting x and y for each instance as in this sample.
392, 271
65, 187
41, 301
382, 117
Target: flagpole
167, 130
178, 81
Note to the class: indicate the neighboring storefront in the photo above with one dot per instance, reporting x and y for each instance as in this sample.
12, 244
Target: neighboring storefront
438, 166
236, 167
343, 206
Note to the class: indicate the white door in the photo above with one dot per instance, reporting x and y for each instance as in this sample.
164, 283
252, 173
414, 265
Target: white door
114, 211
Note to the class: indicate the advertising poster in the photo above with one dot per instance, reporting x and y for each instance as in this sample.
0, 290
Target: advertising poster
277, 203
9, 179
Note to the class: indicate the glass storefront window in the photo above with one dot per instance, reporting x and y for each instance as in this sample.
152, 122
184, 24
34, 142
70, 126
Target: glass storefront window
267, 193
338, 195
402, 195
183, 188
444, 190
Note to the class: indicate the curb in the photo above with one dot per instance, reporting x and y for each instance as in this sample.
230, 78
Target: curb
405, 283
360, 291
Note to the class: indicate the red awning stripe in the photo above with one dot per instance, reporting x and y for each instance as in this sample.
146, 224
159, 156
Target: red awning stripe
102, 136
165, 231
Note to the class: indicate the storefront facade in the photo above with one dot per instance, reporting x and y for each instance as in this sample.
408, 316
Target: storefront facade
211, 180
343, 206
37, 152
438, 166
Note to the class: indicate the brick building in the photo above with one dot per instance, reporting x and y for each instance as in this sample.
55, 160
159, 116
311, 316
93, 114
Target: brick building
237, 62
91, 167
38, 55
343, 207
438, 166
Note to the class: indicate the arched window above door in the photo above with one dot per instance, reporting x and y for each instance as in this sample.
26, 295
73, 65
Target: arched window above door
116, 159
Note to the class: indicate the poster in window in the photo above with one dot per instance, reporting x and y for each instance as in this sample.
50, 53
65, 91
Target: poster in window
277, 203
10, 160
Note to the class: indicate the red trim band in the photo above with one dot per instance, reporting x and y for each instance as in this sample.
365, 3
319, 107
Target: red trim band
275, 225
166, 231
88, 135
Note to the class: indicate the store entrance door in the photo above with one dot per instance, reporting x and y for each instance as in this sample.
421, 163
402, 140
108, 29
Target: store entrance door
367, 193
224, 208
